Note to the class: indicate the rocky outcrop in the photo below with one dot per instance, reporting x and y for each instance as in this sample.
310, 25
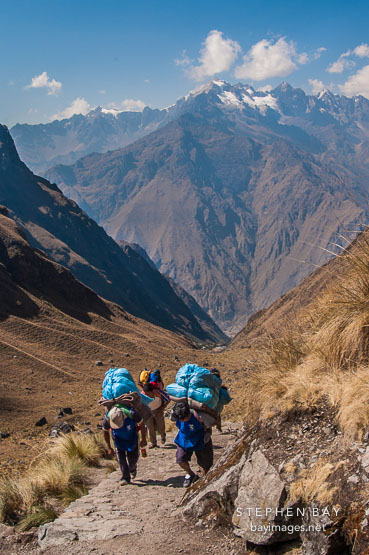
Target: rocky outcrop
320, 533
260, 515
270, 489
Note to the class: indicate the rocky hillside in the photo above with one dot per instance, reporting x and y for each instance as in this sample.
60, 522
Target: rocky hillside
230, 212
60, 228
281, 314
289, 485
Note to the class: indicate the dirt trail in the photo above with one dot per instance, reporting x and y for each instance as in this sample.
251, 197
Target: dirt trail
140, 518
36, 358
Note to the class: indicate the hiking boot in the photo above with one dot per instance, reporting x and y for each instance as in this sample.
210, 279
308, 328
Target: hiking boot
123, 482
163, 440
153, 446
189, 480
133, 474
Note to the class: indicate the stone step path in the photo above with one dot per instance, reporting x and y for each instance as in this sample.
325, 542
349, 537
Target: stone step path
96, 516
138, 518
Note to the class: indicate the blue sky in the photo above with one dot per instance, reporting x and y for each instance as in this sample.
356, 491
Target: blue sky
60, 57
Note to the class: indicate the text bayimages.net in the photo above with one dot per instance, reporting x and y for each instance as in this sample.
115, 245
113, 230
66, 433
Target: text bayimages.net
288, 512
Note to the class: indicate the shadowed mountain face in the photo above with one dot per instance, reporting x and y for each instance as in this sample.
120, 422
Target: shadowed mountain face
231, 212
201, 316
59, 227
26, 273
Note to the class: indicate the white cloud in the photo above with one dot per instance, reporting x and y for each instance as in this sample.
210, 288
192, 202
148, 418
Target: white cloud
129, 105
184, 60
303, 58
319, 52
217, 54
265, 88
317, 86
357, 83
103, 91
78, 106
43, 81
362, 51
265, 60
341, 64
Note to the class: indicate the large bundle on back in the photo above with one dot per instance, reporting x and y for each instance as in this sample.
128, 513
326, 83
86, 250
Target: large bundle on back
202, 388
119, 387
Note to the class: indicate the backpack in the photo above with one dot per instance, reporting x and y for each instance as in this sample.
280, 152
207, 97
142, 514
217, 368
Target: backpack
155, 377
144, 377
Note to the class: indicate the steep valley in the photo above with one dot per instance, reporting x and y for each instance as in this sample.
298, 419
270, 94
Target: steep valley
234, 222
236, 195
53, 330
60, 228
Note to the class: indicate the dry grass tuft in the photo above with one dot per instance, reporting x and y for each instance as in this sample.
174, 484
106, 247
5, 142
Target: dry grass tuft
290, 468
59, 475
83, 447
110, 467
37, 517
326, 358
314, 484
341, 315
10, 500
101, 445
73, 492
353, 414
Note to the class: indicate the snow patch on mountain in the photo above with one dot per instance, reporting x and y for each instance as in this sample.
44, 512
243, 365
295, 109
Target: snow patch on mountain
230, 98
254, 100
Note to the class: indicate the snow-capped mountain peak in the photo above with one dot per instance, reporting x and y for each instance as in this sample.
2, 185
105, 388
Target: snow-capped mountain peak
108, 128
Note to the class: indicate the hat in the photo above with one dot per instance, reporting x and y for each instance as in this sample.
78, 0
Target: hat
116, 418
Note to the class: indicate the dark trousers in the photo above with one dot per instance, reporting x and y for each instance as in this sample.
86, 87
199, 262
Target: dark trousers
127, 461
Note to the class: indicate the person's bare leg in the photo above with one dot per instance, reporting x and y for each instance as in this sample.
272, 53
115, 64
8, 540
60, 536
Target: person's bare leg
150, 424
187, 468
160, 423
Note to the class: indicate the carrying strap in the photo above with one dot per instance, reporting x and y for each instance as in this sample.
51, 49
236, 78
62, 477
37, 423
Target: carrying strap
132, 399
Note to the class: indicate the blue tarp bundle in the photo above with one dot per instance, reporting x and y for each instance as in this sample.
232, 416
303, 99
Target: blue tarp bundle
176, 390
118, 381
201, 385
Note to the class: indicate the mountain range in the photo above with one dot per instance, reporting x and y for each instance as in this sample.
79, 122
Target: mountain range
316, 122
237, 195
61, 230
